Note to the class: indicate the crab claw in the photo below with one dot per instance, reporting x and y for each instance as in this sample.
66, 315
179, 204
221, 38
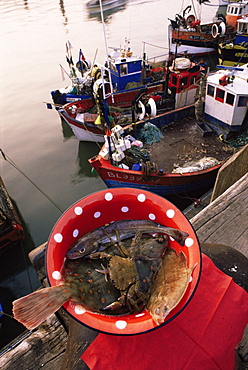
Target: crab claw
117, 304
104, 271
113, 306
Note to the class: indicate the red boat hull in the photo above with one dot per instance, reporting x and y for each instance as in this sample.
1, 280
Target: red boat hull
162, 184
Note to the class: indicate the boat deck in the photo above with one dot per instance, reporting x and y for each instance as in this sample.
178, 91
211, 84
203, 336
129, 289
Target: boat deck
183, 143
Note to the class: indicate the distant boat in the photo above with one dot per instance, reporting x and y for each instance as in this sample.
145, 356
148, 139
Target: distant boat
177, 90
200, 27
94, 5
11, 230
189, 154
235, 52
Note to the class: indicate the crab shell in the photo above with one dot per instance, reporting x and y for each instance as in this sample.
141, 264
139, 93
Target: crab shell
123, 272
141, 268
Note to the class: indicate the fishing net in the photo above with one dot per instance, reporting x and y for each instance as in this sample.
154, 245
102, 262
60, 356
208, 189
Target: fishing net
203, 163
149, 134
135, 155
239, 140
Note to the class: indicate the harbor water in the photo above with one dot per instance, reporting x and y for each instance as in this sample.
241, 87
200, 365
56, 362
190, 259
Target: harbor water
45, 167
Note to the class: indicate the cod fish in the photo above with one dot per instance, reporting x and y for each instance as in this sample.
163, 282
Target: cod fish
99, 239
169, 286
80, 282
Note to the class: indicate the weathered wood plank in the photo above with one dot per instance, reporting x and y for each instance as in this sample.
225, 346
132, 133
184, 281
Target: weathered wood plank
80, 337
43, 348
235, 168
224, 220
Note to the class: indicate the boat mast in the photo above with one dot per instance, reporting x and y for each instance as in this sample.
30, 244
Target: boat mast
106, 50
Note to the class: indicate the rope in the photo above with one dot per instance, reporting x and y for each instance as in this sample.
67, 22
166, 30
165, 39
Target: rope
19, 170
156, 46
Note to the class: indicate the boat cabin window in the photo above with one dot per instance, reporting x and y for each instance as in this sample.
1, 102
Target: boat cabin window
236, 11
111, 65
210, 90
243, 101
240, 10
220, 95
192, 80
174, 80
230, 98
183, 82
243, 27
123, 69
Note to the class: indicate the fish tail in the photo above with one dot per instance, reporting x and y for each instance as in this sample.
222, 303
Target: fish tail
35, 308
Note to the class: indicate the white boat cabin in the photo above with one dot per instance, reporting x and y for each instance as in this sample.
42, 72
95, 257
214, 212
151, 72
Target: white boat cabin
226, 99
235, 11
242, 30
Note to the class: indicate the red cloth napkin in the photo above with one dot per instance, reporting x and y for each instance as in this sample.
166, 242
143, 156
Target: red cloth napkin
202, 337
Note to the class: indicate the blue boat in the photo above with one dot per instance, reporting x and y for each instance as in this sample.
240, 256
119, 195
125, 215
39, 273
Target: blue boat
121, 72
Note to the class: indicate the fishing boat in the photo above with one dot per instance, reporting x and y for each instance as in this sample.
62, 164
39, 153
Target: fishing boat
177, 90
121, 70
200, 27
190, 147
235, 52
11, 230
94, 5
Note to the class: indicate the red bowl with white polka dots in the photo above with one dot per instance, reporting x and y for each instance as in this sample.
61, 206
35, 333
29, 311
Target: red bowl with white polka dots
103, 207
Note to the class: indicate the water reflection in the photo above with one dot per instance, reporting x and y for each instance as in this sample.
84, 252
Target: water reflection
86, 150
62, 8
66, 130
109, 8
26, 4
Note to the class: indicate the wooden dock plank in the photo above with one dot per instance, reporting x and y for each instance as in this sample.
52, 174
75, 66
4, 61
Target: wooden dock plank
234, 168
44, 348
225, 220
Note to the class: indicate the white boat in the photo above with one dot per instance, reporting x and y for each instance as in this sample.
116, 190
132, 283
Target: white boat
226, 100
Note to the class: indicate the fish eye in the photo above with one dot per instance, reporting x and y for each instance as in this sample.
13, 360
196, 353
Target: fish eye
157, 311
82, 250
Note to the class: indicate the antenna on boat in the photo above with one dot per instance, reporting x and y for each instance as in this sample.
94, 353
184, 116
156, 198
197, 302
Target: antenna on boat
106, 49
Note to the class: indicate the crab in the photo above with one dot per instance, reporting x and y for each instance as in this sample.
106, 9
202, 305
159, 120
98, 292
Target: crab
134, 269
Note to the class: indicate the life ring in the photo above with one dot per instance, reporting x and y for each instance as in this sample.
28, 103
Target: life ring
96, 73
98, 86
190, 19
153, 108
141, 110
149, 108
222, 28
215, 30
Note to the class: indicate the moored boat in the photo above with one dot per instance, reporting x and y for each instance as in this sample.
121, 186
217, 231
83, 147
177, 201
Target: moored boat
200, 27
188, 153
177, 90
122, 71
11, 230
235, 52
226, 100
94, 5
